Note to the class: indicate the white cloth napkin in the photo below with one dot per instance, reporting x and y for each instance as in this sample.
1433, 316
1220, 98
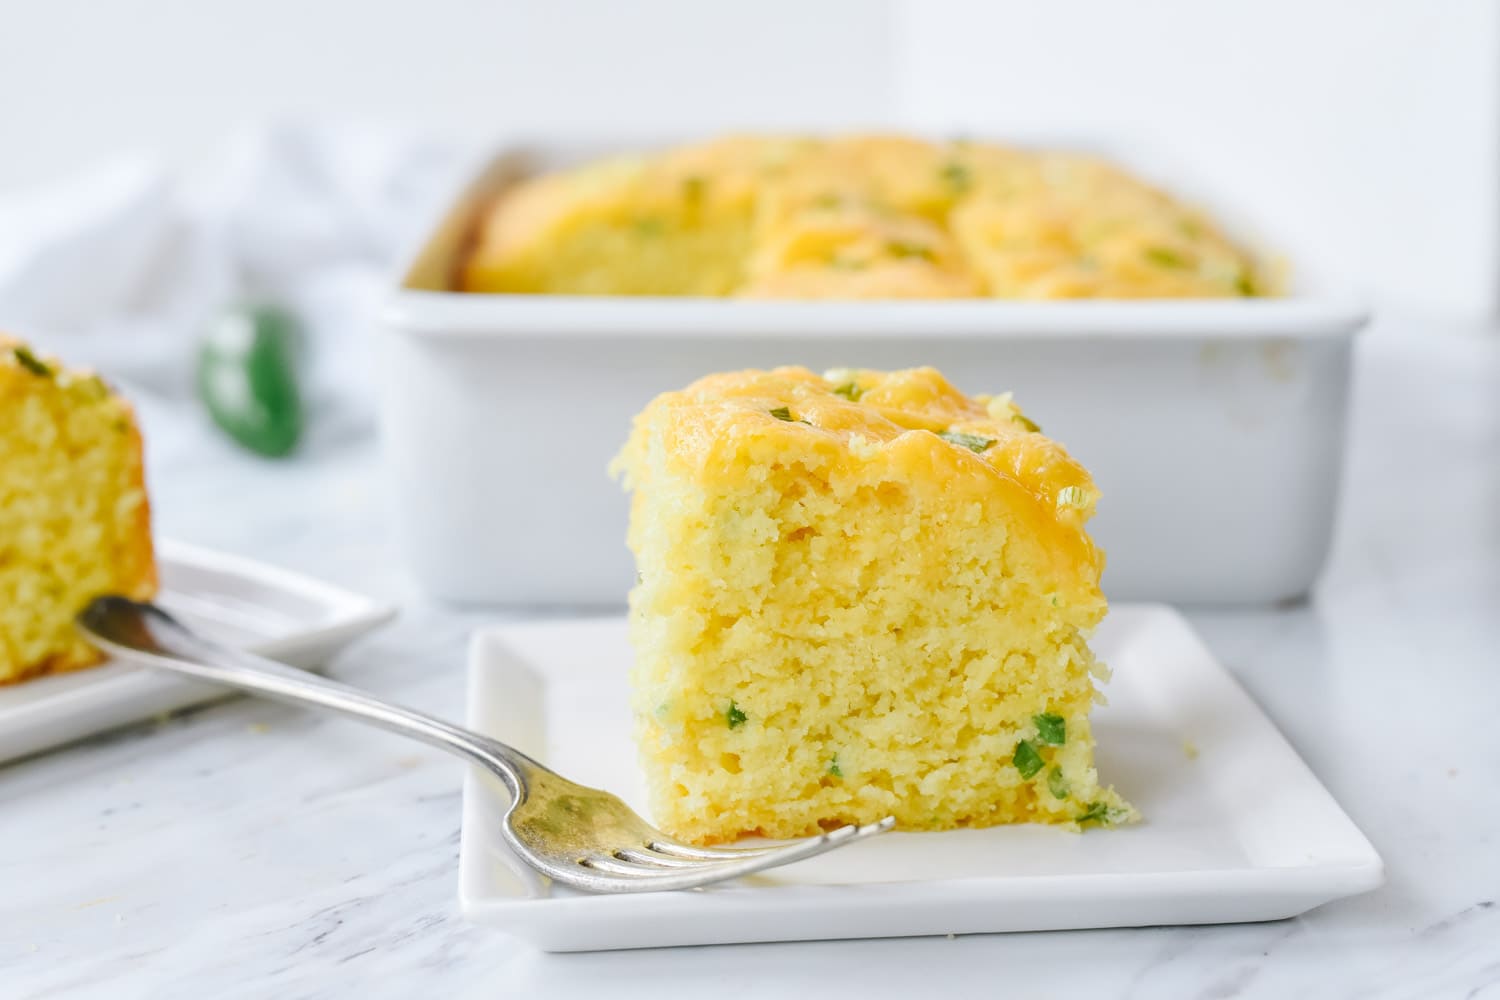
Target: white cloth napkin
121, 266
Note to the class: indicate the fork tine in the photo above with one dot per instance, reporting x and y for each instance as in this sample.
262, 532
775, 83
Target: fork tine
718, 871
665, 845
642, 864
622, 876
696, 853
628, 867
646, 856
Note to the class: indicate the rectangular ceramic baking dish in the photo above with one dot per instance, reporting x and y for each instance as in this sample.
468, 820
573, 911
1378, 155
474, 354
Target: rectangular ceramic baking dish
1214, 428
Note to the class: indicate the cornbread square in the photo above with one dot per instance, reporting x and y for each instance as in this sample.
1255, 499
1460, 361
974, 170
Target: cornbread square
74, 521
860, 595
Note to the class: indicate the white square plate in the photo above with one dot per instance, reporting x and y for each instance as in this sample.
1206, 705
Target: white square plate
1236, 827
283, 615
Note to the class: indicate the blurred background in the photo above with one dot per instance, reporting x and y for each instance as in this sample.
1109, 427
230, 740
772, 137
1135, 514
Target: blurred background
1365, 132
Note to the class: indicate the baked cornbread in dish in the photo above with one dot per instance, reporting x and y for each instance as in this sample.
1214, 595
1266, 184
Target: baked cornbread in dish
860, 595
854, 217
74, 520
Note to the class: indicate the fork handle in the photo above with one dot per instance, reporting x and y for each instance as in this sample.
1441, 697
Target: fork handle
143, 633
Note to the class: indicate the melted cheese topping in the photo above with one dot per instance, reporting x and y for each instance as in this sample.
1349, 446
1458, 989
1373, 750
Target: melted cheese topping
723, 425
853, 217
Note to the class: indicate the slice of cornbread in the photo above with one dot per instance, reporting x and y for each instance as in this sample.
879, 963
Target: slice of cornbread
860, 595
74, 522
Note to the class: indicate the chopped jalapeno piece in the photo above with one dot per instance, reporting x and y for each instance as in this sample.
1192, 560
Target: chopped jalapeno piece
1027, 760
1097, 812
1057, 784
94, 389
782, 413
957, 177
1026, 422
849, 391
973, 442
31, 362
833, 767
734, 716
901, 248
1051, 729
1071, 496
1166, 257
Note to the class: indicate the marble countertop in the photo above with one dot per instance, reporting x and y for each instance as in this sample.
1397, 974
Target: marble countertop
248, 849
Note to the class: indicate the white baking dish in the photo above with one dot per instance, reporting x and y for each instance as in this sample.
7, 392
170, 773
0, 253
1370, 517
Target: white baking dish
1214, 428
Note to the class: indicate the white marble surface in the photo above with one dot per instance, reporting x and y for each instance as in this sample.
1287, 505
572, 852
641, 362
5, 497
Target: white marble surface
253, 850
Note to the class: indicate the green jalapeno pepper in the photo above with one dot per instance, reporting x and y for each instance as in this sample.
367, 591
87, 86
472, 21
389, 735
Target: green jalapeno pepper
247, 377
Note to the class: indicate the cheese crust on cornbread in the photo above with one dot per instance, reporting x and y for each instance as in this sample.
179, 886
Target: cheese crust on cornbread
74, 519
853, 217
860, 595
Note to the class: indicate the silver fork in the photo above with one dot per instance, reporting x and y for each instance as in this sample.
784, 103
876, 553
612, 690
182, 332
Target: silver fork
579, 836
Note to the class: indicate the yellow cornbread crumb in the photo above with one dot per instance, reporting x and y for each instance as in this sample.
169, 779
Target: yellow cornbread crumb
860, 595
74, 522
853, 217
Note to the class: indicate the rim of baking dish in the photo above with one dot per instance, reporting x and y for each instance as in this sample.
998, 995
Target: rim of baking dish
462, 314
